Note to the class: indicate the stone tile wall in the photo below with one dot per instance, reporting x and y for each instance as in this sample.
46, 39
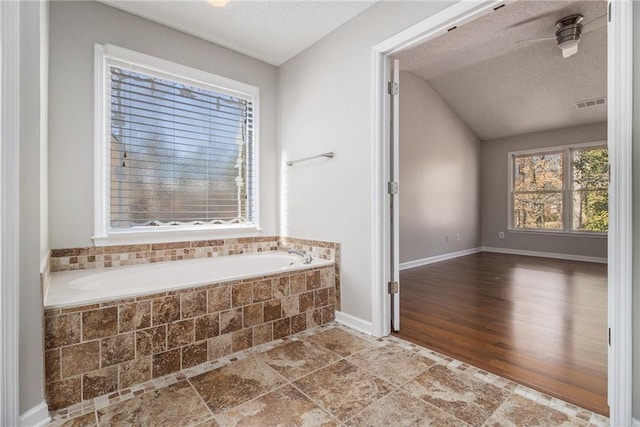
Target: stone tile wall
100, 349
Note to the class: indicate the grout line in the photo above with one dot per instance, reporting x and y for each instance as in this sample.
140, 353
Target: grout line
201, 399
394, 390
317, 403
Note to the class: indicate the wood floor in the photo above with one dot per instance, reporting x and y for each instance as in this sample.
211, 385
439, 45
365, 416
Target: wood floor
540, 322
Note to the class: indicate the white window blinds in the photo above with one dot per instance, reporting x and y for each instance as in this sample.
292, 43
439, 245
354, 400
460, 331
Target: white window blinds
180, 154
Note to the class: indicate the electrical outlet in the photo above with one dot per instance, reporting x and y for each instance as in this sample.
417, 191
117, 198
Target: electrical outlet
501, 235
458, 236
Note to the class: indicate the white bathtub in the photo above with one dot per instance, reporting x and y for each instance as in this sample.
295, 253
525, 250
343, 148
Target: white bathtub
71, 288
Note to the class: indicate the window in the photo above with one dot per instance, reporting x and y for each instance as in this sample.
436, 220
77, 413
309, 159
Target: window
177, 148
562, 189
590, 182
537, 191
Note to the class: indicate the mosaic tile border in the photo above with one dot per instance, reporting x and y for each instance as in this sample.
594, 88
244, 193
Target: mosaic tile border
63, 415
115, 256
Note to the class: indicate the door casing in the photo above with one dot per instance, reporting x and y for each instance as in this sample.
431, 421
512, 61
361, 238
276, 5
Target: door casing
620, 84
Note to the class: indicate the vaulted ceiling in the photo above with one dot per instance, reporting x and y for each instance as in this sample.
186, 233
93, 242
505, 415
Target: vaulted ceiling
501, 88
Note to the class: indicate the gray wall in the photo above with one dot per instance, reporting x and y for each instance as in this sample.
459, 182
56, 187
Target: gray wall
636, 212
75, 27
325, 104
33, 197
494, 198
439, 175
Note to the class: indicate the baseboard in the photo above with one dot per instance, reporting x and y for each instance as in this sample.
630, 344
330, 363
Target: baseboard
36, 417
438, 258
568, 257
354, 322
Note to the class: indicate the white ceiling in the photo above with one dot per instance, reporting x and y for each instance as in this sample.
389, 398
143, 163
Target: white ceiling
271, 31
500, 88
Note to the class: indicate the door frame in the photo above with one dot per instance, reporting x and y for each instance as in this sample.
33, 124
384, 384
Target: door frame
620, 84
9, 211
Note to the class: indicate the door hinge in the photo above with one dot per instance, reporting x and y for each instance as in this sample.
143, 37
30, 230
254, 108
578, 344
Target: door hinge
393, 88
609, 337
392, 187
393, 287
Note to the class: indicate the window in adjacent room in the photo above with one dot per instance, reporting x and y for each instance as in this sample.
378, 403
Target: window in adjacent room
590, 182
537, 191
562, 189
180, 147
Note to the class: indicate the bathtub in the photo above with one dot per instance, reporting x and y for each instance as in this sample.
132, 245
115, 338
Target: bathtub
107, 330
72, 288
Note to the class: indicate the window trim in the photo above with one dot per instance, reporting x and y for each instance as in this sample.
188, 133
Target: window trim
567, 190
103, 234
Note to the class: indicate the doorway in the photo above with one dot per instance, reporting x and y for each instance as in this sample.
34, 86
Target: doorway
493, 111
619, 146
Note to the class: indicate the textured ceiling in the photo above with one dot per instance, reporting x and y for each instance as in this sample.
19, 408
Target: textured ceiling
500, 88
271, 31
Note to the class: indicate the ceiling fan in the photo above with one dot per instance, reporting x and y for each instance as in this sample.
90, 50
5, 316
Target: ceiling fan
569, 30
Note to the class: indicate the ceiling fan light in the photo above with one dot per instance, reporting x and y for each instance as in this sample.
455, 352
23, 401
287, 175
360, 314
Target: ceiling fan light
570, 49
218, 3
569, 44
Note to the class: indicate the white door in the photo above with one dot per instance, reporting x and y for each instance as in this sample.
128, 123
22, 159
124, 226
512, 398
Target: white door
394, 205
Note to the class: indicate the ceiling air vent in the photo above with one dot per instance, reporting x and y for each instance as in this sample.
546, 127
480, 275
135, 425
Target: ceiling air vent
591, 102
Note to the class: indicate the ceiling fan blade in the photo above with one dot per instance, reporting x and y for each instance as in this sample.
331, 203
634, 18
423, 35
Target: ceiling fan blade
528, 21
594, 24
569, 51
538, 39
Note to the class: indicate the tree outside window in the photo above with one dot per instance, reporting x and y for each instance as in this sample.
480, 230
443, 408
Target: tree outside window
590, 189
537, 195
547, 196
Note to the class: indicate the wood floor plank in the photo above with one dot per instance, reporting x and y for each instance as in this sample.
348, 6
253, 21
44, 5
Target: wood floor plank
538, 321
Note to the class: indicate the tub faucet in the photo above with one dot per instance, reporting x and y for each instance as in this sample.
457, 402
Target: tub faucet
307, 256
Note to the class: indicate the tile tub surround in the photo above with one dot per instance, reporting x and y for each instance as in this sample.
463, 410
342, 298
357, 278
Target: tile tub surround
103, 348
114, 256
331, 376
318, 249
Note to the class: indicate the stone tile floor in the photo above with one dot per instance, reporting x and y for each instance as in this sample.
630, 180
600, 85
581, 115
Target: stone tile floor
329, 376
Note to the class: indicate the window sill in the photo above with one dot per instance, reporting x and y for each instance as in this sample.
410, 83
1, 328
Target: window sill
548, 233
171, 234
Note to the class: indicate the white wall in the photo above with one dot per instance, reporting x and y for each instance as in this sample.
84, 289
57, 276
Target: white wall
325, 104
75, 27
33, 197
44, 133
439, 175
636, 212
494, 198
